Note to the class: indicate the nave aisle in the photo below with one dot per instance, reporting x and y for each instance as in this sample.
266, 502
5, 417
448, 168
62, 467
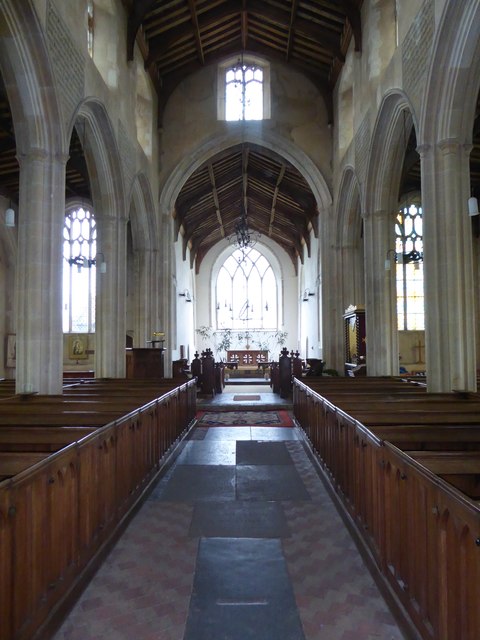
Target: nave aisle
240, 541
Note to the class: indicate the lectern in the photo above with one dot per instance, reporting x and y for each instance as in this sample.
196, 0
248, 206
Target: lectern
145, 363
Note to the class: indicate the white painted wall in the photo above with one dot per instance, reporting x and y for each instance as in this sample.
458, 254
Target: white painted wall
184, 312
310, 307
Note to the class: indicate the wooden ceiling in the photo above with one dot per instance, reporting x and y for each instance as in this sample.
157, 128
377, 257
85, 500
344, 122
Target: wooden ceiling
179, 37
276, 198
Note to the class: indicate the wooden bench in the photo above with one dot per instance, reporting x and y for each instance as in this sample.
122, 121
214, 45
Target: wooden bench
73, 467
12, 463
40, 437
404, 465
461, 469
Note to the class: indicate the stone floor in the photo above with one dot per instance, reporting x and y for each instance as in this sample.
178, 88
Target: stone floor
239, 540
238, 387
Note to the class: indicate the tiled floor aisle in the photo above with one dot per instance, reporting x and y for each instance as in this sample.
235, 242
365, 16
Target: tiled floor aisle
143, 591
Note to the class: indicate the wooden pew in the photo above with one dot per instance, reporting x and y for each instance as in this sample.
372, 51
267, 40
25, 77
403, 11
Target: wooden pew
91, 466
14, 462
416, 510
40, 437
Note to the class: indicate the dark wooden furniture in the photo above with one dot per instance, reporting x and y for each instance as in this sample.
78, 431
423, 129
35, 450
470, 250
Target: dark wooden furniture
207, 381
247, 357
404, 465
145, 363
355, 340
285, 373
59, 517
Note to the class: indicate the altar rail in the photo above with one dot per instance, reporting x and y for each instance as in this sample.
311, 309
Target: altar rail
58, 516
422, 533
247, 357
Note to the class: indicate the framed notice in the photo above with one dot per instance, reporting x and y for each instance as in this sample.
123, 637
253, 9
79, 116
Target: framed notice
77, 347
11, 350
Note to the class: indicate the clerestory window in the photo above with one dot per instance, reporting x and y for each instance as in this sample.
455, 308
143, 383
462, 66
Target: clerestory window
244, 90
409, 271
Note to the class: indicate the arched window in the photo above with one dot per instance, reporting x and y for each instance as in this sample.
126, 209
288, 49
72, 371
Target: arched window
246, 292
409, 272
79, 272
244, 90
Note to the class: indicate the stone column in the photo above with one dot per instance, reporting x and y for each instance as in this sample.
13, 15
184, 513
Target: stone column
110, 320
331, 294
448, 268
145, 296
41, 214
380, 296
166, 289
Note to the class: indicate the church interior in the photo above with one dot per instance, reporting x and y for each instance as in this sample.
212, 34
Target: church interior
239, 331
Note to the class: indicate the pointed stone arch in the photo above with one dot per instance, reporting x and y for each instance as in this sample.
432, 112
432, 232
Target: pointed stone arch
36, 112
454, 78
41, 150
393, 125
142, 262
348, 208
251, 134
451, 273
110, 207
395, 120
144, 221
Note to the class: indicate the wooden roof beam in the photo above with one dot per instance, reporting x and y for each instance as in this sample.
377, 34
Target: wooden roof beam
135, 19
293, 18
215, 199
354, 17
196, 29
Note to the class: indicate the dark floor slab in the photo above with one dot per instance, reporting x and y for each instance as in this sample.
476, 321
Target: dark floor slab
255, 452
239, 519
191, 483
242, 591
270, 482
214, 453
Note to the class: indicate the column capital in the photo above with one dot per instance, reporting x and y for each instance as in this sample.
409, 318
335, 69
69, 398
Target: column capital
378, 214
424, 149
37, 154
454, 146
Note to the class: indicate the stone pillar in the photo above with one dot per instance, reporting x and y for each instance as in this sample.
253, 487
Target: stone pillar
448, 268
331, 294
41, 214
166, 289
145, 265
380, 296
110, 320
